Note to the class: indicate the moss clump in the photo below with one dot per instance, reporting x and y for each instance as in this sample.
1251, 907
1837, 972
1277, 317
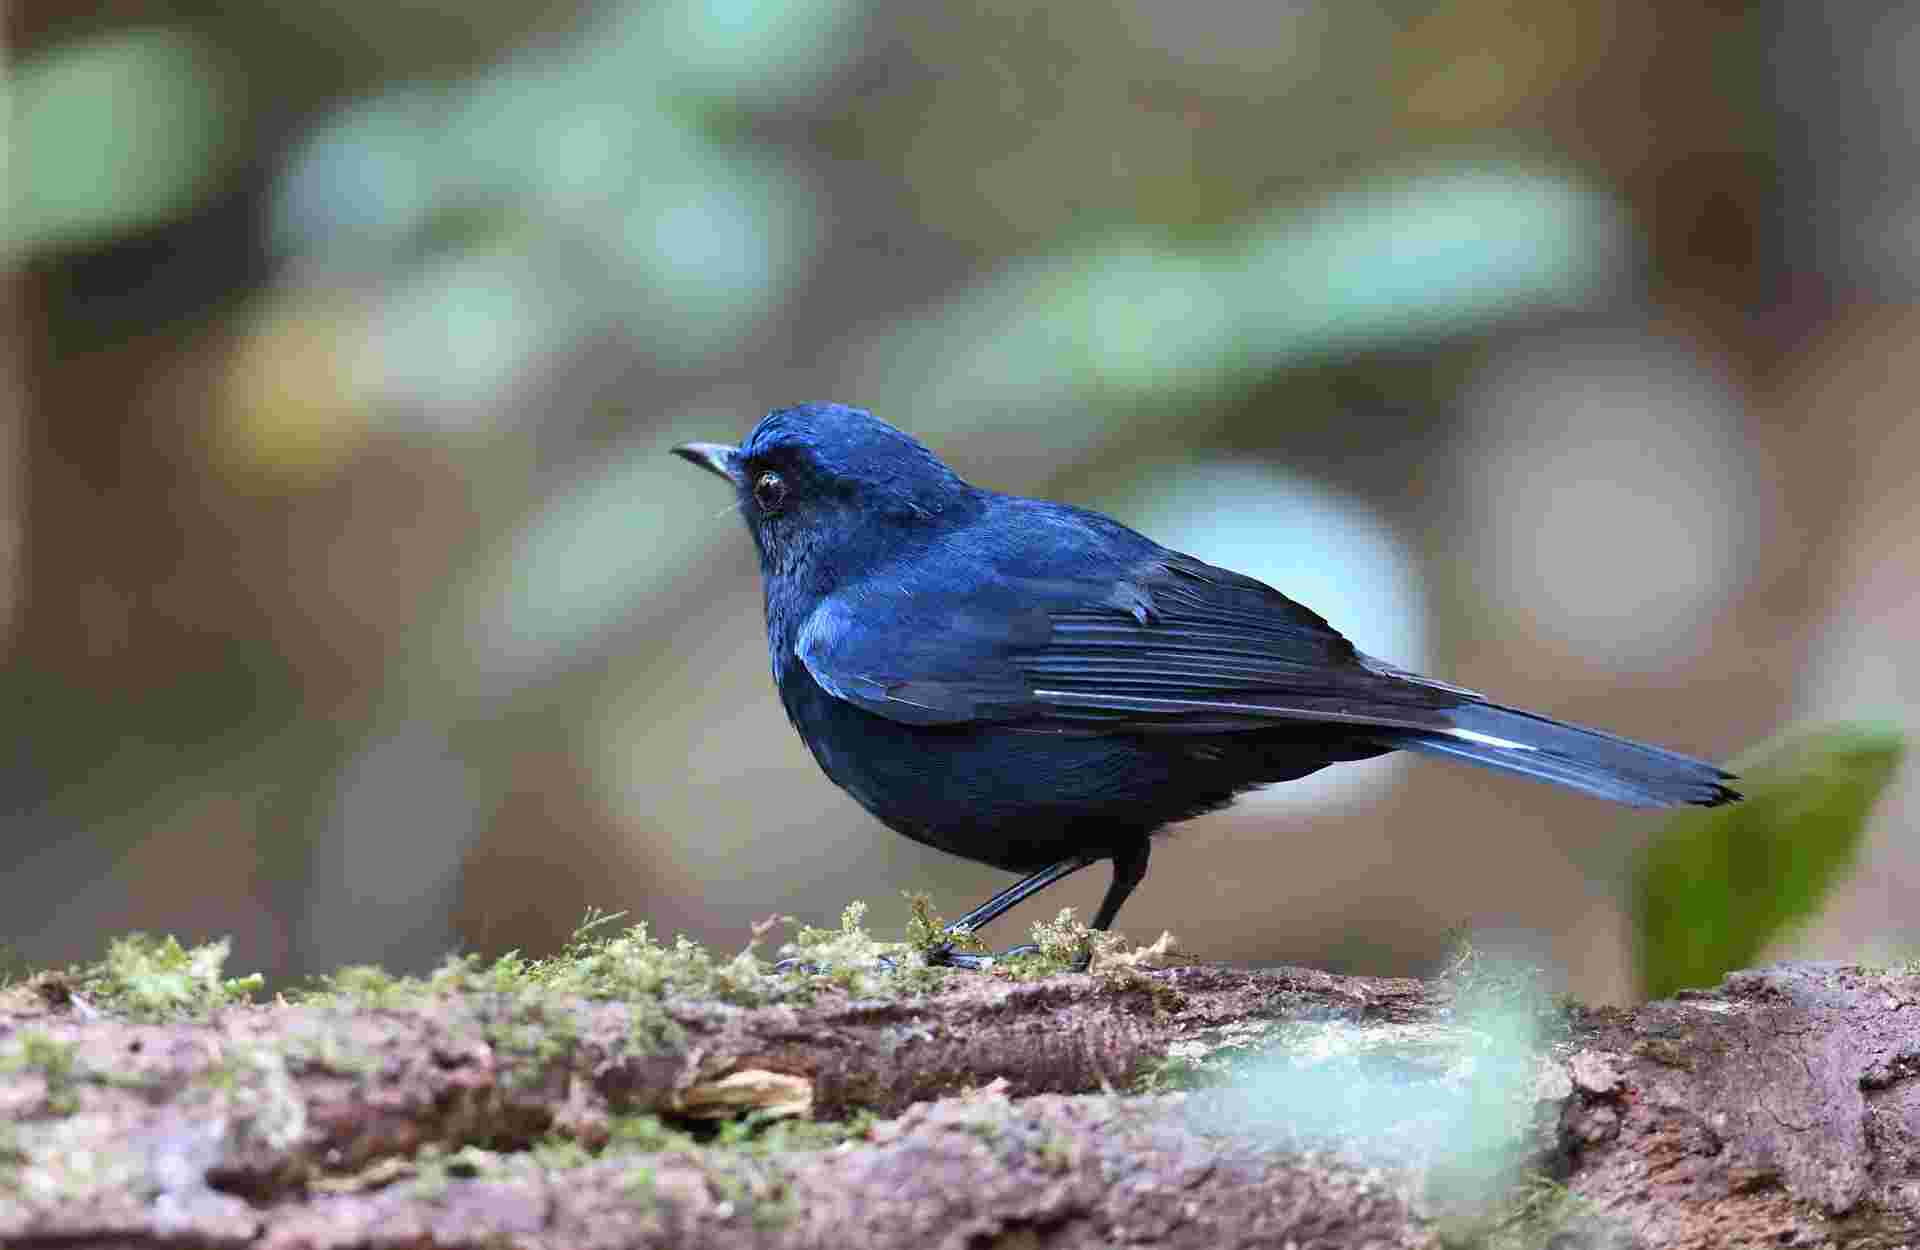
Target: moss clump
763, 1133
624, 966
756, 1133
152, 978
1067, 944
1177, 1074
1222, 1056
646, 1134
630, 965
927, 929
851, 959
362, 984
57, 1063
633, 964
1539, 1211
537, 1041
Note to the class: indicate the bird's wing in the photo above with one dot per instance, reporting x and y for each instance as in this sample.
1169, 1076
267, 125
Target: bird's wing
1178, 646
1175, 645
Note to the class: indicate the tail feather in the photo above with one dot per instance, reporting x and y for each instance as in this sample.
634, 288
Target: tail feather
1604, 765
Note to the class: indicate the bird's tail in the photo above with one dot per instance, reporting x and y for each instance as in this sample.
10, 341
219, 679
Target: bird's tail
1601, 764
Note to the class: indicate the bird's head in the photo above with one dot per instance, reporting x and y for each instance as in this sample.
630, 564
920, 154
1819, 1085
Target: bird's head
824, 486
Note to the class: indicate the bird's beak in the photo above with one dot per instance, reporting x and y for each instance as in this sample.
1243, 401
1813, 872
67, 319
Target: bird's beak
713, 457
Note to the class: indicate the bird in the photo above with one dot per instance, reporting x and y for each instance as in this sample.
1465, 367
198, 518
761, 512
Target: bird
1035, 686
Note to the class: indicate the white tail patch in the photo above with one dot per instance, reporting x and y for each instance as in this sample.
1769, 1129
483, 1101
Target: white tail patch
1488, 740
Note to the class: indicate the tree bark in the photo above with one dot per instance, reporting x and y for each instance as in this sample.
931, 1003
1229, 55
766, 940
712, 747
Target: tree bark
1778, 1109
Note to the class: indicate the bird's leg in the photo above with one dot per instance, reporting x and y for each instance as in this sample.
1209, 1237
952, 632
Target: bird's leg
999, 905
1129, 870
944, 956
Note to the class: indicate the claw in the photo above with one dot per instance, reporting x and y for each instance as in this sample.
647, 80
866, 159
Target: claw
938, 957
947, 957
814, 968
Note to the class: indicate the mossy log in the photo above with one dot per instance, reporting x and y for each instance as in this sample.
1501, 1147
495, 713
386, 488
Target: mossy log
1125, 1107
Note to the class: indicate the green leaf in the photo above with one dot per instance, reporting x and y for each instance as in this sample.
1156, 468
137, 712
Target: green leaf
1717, 885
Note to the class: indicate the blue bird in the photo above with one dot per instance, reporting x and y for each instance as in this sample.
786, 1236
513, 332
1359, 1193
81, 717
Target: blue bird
1037, 687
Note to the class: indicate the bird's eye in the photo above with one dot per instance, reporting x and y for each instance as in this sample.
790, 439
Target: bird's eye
769, 491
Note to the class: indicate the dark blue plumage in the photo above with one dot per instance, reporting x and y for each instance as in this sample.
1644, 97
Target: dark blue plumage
1038, 687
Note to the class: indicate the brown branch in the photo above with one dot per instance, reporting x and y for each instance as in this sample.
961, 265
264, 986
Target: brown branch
487, 1119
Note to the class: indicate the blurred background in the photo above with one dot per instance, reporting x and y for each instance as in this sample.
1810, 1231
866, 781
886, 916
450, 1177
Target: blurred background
350, 605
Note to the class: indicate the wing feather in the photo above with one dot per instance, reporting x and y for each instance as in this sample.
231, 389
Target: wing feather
1180, 647
1176, 646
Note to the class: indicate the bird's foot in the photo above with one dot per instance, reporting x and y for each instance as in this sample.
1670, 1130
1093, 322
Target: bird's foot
947, 957
813, 967
938, 957
942, 956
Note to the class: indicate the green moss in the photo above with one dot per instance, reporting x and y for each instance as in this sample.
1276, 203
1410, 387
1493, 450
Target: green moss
763, 1134
526, 1031
988, 1131
774, 1203
851, 959
1066, 944
364, 985
435, 1169
151, 978
157, 978
13, 1157
757, 1189
1226, 1054
1055, 1153
1670, 1052
637, 1184
647, 1134
927, 929
58, 1065
1066, 941
654, 1031
632, 964
1539, 1213
626, 966
258, 1096
559, 1154
756, 1133
361, 984
328, 1050
1177, 1073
